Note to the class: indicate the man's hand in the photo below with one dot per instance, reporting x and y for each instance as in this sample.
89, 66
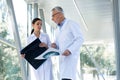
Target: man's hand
66, 53
53, 45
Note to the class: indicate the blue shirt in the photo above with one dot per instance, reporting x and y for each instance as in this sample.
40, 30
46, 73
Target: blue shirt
61, 24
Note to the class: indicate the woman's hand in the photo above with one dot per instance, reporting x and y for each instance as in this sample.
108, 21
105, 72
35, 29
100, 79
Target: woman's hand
23, 55
42, 44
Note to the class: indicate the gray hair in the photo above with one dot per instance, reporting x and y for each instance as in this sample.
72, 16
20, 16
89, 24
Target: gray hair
58, 8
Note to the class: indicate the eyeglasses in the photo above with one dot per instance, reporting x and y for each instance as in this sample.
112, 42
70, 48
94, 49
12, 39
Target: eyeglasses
55, 14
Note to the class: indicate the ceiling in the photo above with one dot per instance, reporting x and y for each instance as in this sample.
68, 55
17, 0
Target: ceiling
94, 16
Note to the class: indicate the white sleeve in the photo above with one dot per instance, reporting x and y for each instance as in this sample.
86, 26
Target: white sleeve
78, 38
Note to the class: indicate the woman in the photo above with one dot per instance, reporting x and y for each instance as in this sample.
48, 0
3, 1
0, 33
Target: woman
44, 72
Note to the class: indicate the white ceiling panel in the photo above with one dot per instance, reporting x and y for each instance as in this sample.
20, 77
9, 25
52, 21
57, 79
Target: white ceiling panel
96, 14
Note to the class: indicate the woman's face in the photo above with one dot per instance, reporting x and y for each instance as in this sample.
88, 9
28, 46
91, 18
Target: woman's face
37, 25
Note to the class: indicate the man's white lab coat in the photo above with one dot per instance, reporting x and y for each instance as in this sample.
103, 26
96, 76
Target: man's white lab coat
69, 37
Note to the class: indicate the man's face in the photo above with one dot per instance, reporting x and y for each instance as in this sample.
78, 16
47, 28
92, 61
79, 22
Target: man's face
56, 16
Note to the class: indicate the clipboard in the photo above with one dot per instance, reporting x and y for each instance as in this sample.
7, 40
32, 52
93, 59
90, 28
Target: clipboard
32, 51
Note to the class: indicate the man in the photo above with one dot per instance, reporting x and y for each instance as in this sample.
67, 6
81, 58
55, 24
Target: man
68, 40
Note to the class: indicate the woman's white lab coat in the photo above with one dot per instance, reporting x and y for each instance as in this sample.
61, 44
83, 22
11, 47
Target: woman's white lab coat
69, 37
44, 72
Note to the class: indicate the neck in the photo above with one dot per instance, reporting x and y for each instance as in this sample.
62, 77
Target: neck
37, 33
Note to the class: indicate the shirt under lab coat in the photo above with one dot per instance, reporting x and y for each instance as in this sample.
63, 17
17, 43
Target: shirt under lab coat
44, 72
69, 37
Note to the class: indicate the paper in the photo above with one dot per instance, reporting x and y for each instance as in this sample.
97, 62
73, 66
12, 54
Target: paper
48, 53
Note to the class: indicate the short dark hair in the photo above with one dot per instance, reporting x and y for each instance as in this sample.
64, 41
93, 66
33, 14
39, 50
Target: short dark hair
35, 19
